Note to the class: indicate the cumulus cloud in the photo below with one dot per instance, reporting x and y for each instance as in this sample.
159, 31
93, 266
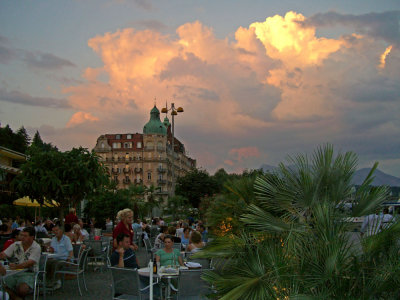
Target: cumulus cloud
26, 99
81, 117
276, 85
383, 25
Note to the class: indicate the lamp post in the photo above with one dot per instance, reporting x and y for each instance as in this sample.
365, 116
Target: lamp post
174, 112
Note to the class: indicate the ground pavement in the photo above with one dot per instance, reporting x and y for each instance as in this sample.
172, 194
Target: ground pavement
98, 284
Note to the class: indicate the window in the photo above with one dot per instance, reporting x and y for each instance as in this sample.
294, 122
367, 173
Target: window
118, 137
160, 176
129, 136
149, 176
102, 145
116, 145
139, 145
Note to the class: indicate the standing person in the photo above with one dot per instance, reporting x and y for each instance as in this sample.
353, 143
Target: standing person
27, 255
71, 217
124, 226
168, 256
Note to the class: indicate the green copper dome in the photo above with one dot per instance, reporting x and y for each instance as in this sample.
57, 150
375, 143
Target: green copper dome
166, 122
154, 126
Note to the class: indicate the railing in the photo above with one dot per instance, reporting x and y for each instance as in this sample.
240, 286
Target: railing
161, 170
138, 170
127, 170
126, 181
149, 148
138, 181
161, 181
115, 171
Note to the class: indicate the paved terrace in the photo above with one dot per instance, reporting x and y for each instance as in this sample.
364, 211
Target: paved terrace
98, 284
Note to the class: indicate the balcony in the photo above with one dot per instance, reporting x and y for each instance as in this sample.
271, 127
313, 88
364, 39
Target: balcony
160, 148
116, 180
149, 148
138, 170
161, 170
161, 181
126, 181
138, 181
121, 159
127, 170
115, 170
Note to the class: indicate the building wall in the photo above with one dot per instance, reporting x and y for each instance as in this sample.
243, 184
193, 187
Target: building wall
143, 159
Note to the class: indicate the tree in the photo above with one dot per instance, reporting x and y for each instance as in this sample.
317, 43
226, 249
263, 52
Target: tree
297, 240
18, 141
196, 185
39, 145
66, 177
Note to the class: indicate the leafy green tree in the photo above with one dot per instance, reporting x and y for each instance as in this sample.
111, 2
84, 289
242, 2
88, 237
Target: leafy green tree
66, 177
18, 141
39, 145
195, 185
297, 242
178, 207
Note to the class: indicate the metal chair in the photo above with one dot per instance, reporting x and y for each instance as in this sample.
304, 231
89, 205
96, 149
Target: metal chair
77, 251
98, 252
40, 278
76, 269
191, 286
126, 284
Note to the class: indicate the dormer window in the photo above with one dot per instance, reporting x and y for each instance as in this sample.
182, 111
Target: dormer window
118, 137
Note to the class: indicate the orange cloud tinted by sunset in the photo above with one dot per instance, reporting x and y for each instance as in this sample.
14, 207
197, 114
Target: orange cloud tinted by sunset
241, 153
79, 118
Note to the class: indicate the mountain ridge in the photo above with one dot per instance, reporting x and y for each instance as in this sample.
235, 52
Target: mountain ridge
380, 177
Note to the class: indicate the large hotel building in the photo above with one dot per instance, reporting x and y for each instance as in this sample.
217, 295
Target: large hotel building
145, 158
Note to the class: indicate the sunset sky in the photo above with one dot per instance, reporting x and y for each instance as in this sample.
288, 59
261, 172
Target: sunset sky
258, 80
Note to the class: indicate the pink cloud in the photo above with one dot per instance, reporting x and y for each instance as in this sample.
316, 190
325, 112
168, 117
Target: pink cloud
243, 153
81, 117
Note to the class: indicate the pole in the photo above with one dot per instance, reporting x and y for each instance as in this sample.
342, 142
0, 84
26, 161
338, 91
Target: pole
173, 152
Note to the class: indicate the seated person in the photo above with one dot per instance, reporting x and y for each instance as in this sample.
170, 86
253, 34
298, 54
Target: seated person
78, 236
83, 230
69, 233
168, 256
185, 237
3, 271
195, 244
26, 254
204, 233
160, 237
172, 232
123, 256
60, 245
14, 238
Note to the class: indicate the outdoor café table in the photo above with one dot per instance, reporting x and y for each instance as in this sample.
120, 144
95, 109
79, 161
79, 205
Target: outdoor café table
163, 272
9, 272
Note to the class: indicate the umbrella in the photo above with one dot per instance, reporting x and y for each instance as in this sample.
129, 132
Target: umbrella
26, 201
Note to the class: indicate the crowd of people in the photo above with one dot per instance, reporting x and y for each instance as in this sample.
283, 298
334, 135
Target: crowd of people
22, 251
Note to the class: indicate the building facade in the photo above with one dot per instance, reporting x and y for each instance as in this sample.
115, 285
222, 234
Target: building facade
10, 161
145, 158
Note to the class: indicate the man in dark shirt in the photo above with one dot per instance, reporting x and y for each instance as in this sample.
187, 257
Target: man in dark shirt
123, 256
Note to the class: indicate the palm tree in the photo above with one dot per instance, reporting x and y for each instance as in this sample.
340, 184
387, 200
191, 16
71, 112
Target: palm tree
296, 242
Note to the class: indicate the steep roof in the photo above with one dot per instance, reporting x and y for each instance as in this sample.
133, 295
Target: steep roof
154, 126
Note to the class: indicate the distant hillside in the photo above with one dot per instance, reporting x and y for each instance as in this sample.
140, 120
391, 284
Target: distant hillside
381, 178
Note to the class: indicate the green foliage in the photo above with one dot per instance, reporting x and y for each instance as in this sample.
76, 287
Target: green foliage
66, 177
195, 185
18, 141
38, 145
297, 244
178, 207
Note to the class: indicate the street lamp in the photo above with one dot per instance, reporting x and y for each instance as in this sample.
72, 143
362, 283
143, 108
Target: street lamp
174, 112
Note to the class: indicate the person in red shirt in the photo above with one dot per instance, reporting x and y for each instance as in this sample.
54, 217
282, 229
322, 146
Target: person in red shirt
71, 217
14, 238
124, 226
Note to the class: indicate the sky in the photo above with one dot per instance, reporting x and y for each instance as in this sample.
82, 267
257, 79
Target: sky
258, 80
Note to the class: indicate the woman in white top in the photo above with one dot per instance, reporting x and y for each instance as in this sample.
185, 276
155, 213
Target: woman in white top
195, 244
